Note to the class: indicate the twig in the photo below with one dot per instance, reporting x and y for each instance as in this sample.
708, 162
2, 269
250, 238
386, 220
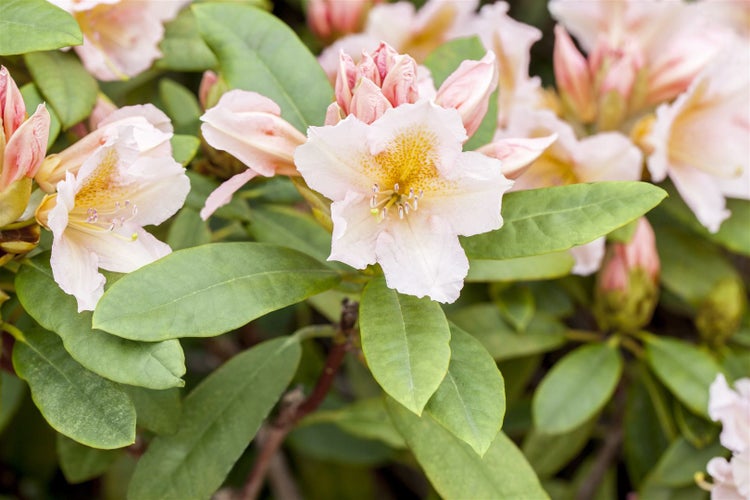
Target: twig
294, 408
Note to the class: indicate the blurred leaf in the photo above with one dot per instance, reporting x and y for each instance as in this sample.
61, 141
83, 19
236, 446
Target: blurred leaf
456, 471
80, 463
569, 394
75, 402
517, 373
33, 25
684, 369
155, 365
681, 461
698, 431
405, 341
652, 491
366, 418
516, 305
326, 441
32, 98
12, 390
546, 220
644, 438
548, 453
188, 230
485, 322
184, 148
72, 97
208, 290
219, 419
182, 47
181, 106
470, 401
537, 267
158, 411
258, 52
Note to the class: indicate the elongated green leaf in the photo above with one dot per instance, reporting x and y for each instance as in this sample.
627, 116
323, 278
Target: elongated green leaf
33, 25
548, 453
184, 148
256, 51
219, 419
12, 391
485, 322
75, 402
155, 365
80, 463
686, 370
182, 48
576, 388
72, 97
536, 267
470, 401
540, 221
158, 411
405, 341
181, 106
456, 471
679, 463
208, 290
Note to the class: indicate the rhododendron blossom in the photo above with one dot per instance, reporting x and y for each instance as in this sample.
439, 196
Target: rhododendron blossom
98, 212
402, 192
120, 37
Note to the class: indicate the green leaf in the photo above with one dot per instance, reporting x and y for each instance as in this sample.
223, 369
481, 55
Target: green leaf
155, 365
188, 230
184, 148
257, 51
74, 401
485, 322
539, 221
516, 304
158, 411
686, 370
536, 267
548, 453
12, 391
72, 97
219, 419
456, 471
570, 394
33, 25
181, 106
679, 463
182, 47
470, 401
406, 343
80, 463
208, 290
32, 98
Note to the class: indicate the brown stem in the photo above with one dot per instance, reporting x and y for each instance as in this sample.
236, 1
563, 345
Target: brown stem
294, 407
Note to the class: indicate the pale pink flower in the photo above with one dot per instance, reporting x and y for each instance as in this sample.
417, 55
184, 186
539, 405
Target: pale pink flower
152, 131
732, 409
98, 213
731, 478
120, 37
608, 156
23, 142
402, 192
511, 43
732, 13
333, 18
702, 139
249, 126
668, 42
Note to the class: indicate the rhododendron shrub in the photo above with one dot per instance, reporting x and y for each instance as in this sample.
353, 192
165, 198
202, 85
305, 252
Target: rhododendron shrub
367, 249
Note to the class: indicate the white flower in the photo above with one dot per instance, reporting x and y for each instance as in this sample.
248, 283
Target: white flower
402, 192
732, 409
97, 214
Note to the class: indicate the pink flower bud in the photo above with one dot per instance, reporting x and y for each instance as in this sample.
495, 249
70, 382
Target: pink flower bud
368, 102
468, 89
330, 19
208, 82
12, 107
26, 148
400, 82
346, 79
627, 286
573, 77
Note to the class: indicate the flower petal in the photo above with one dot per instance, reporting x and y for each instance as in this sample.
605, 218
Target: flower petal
700, 193
125, 249
355, 230
588, 257
422, 256
74, 268
223, 194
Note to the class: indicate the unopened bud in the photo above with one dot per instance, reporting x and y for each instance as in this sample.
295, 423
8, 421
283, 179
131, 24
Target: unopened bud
720, 313
627, 287
573, 77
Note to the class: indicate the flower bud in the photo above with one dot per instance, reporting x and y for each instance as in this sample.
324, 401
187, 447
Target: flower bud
627, 286
468, 89
573, 77
330, 19
720, 313
12, 107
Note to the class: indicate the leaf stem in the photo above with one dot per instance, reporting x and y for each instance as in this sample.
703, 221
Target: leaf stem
294, 407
